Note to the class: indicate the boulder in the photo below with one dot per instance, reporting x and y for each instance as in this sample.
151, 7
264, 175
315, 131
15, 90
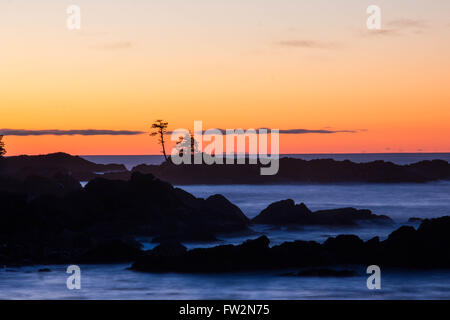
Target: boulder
282, 213
286, 212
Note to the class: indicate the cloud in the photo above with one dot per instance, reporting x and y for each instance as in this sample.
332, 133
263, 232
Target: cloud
292, 131
322, 131
308, 44
55, 132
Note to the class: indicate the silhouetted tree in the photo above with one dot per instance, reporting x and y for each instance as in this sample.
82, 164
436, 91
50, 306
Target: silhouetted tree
2, 147
188, 141
159, 129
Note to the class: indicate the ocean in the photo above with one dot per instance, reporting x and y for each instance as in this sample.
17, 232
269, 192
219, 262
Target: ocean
399, 201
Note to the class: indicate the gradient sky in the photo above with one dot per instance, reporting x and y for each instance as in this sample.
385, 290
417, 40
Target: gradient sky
232, 64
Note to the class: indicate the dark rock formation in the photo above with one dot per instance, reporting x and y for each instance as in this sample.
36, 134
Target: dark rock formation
112, 251
48, 165
286, 212
283, 212
226, 258
92, 224
426, 247
35, 185
301, 171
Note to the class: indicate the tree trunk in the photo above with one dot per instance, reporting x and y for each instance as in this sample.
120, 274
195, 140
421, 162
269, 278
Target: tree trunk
163, 147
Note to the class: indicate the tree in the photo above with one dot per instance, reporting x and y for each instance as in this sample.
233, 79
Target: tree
2, 147
187, 142
159, 129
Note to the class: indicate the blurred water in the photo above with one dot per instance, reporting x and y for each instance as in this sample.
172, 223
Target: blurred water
116, 282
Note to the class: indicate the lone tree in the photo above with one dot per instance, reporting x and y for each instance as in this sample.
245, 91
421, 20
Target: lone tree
2, 147
159, 129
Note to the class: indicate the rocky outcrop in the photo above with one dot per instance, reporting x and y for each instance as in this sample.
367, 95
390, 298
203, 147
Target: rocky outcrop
282, 213
48, 165
301, 171
54, 227
34, 185
226, 258
112, 251
426, 247
286, 212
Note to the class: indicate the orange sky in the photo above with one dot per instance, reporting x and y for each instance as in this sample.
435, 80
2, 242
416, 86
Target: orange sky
232, 64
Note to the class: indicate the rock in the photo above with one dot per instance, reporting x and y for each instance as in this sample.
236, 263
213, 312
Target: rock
220, 215
57, 226
225, 258
187, 237
51, 164
298, 170
169, 249
282, 213
349, 216
36, 185
112, 251
286, 212
412, 220
405, 247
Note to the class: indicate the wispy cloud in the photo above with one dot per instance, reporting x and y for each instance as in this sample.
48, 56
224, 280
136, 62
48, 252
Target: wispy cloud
322, 131
55, 132
308, 44
291, 131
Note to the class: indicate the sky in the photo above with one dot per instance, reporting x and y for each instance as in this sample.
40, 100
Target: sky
284, 64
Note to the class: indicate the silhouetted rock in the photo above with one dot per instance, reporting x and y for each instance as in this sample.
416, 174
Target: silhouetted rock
89, 224
225, 258
426, 247
191, 235
283, 212
112, 251
169, 249
50, 164
298, 170
413, 219
35, 185
286, 212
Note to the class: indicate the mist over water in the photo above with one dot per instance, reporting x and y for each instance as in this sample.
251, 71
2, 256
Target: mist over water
116, 282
